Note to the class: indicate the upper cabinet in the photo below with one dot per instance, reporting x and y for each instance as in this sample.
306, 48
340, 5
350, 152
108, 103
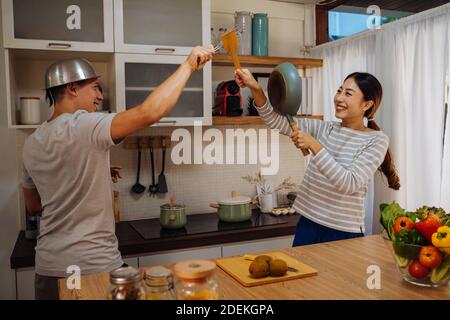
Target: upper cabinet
76, 25
138, 75
161, 27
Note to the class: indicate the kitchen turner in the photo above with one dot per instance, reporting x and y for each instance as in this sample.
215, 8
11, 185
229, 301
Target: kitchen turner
230, 43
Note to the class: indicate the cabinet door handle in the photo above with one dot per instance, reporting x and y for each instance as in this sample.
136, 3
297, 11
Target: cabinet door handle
164, 50
167, 122
57, 45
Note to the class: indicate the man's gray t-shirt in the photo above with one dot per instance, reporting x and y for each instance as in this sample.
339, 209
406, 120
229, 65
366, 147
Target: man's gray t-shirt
67, 160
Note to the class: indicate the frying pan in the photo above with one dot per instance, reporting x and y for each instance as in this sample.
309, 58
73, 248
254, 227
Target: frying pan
285, 93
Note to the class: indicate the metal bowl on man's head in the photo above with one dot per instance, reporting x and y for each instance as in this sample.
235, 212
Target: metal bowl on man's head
285, 89
67, 71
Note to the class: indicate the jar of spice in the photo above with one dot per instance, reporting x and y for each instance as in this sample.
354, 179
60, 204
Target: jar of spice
159, 284
126, 284
195, 280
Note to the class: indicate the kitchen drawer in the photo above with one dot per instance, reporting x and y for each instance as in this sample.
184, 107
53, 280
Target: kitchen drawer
75, 25
25, 284
269, 244
173, 256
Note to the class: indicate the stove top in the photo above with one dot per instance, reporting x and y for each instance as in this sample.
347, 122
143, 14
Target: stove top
201, 223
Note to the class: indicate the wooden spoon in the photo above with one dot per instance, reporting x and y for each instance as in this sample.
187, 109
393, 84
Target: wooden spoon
230, 43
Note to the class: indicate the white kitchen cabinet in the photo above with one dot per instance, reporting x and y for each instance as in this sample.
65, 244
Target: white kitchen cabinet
25, 284
131, 261
174, 256
25, 73
161, 27
138, 75
73, 25
256, 246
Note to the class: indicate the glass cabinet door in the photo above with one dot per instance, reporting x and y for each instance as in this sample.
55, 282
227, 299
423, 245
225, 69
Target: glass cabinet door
155, 26
82, 25
137, 76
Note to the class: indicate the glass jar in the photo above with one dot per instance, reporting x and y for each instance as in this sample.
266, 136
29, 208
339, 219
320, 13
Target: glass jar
195, 280
126, 284
159, 284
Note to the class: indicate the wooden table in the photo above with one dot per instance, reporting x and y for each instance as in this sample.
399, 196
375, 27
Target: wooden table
342, 274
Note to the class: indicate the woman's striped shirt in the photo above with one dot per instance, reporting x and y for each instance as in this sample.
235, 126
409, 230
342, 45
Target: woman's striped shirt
336, 180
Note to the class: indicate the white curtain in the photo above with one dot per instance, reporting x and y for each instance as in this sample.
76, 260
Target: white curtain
410, 57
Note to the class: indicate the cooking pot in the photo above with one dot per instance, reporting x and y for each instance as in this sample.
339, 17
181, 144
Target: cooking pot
172, 216
285, 93
234, 209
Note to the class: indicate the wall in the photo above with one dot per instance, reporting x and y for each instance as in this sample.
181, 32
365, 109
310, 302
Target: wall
9, 217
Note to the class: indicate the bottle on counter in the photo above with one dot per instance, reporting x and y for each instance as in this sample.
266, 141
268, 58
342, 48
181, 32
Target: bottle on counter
126, 284
195, 280
159, 284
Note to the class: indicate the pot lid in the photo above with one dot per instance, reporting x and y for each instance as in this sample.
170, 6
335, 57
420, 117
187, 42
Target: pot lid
172, 207
235, 200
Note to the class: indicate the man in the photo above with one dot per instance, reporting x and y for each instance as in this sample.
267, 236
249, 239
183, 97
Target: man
67, 169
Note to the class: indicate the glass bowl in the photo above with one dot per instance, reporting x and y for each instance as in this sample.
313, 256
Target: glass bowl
406, 254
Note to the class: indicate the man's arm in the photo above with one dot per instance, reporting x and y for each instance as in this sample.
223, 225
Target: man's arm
32, 200
162, 99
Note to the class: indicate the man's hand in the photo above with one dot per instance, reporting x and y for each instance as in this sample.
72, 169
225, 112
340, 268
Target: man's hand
115, 173
303, 140
199, 56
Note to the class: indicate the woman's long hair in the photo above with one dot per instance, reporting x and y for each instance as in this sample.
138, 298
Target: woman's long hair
372, 91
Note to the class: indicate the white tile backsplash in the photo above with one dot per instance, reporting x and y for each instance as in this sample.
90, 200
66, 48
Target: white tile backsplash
196, 186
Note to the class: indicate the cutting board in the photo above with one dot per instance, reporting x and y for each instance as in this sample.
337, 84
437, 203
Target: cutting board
237, 267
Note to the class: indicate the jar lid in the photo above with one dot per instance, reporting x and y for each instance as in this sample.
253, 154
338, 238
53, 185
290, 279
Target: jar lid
260, 14
194, 269
125, 275
158, 276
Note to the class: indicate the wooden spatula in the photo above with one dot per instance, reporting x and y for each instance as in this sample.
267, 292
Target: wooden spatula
230, 43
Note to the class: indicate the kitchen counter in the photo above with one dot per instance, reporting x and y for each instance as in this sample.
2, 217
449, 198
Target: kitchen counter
342, 274
132, 243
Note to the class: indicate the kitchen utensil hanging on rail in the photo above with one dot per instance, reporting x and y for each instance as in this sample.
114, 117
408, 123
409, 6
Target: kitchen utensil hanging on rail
153, 188
138, 187
162, 184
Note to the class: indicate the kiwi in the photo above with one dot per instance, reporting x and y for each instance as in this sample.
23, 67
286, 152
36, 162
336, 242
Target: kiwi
264, 258
277, 268
258, 269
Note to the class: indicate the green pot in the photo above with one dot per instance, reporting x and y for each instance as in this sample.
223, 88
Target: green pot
235, 209
173, 217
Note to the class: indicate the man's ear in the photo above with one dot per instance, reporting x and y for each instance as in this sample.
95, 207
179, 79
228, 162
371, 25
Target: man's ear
71, 89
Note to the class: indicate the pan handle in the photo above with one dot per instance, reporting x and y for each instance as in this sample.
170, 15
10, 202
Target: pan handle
293, 126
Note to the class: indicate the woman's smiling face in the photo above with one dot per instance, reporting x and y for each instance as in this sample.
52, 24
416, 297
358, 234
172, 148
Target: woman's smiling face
349, 101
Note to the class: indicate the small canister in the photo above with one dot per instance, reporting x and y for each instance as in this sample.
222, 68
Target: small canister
30, 111
159, 284
195, 280
260, 35
126, 284
243, 24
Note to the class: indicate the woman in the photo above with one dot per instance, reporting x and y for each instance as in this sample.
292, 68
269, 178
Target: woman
345, 156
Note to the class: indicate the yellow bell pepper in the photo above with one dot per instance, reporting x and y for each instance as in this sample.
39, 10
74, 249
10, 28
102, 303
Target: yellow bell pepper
441, 239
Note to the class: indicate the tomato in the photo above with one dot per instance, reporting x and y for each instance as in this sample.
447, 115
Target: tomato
417, 270
428, 226
402, 223
430, 257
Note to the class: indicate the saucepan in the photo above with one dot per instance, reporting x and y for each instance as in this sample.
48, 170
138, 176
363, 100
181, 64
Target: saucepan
285, 93
234, 209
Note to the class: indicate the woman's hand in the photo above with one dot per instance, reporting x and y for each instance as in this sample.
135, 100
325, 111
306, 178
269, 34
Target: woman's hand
303, 140
199, 56
115, 173
244, 78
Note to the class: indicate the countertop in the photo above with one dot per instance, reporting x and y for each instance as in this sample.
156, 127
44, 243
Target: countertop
342, 274
132, 243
